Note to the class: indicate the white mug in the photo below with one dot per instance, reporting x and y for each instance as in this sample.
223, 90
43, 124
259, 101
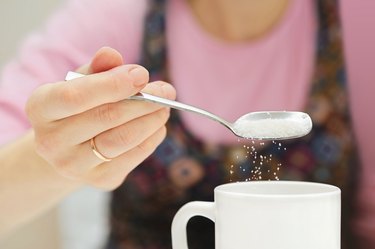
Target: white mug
267, 215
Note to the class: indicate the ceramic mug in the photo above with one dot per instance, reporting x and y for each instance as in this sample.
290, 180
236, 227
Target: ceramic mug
268, 215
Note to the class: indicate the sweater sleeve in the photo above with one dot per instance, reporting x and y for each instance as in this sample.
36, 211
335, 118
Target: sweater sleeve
69, 38
359, 39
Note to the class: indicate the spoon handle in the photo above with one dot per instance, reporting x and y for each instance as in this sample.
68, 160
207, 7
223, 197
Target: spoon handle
166, 102
179, 106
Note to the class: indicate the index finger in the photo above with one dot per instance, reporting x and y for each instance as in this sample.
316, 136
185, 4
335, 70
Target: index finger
63, 99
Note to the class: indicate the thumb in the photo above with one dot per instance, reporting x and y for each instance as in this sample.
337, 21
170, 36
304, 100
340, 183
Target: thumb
104, 59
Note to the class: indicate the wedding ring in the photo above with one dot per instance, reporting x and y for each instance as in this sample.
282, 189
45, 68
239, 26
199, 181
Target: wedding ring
97, 153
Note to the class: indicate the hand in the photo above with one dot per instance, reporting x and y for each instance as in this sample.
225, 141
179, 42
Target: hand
66, 115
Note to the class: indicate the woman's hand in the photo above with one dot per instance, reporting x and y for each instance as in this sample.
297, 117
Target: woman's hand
66, 115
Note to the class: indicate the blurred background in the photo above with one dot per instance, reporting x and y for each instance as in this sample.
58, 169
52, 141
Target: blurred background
18, 18
80, 222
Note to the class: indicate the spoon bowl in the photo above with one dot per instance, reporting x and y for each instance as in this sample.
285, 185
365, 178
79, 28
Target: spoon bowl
273, 125
269, 125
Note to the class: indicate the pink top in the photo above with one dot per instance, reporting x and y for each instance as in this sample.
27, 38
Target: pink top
233, 79
200, 63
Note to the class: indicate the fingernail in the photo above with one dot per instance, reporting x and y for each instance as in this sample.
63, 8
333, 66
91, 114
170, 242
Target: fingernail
139, 76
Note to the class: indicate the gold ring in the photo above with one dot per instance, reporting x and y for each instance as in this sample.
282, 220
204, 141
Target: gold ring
97, 153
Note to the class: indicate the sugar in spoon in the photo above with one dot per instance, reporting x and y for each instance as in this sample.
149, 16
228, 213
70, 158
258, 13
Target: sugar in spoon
268, 125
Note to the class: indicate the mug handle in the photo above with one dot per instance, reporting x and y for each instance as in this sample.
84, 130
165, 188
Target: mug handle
180, 220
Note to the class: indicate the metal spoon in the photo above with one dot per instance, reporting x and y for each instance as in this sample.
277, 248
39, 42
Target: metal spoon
269, 125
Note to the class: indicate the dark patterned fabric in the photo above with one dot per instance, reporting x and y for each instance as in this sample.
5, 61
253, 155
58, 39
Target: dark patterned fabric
184, 169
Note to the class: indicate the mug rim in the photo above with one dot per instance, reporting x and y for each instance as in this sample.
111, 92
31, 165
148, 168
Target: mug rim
329, 189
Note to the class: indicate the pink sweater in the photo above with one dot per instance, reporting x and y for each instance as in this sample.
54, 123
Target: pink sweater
239, 74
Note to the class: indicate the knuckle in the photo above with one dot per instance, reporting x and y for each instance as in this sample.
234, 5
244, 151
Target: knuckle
155, 88
67, 166
63, 165
162, 88
32, 106
115, 84
146, 146
150, 144
125, 136
163, 115
45, 144
107, 113
160, 117
118, 138
71, 96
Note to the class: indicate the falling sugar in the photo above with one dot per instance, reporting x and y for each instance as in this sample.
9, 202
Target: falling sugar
252, 162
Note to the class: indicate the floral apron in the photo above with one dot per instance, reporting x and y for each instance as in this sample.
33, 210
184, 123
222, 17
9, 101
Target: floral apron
184, 169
